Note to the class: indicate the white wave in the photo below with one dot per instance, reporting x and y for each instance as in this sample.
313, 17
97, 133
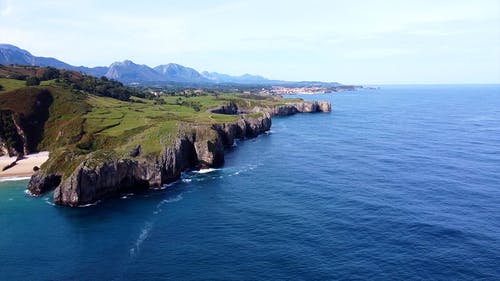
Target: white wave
50, 203
127, 195
14, 179
204, 171
187, 180
28, 192
235, 143
47, 201
90, 204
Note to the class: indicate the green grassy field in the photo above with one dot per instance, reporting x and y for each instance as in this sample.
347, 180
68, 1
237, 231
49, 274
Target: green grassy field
11, 84
126, 124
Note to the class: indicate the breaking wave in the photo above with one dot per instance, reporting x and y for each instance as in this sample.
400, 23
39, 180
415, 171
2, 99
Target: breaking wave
14, 179
204, 171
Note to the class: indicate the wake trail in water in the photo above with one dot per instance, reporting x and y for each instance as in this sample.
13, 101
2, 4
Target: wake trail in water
149, 224
146, 229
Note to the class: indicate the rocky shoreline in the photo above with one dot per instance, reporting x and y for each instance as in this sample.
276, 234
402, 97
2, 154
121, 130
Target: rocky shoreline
196, 147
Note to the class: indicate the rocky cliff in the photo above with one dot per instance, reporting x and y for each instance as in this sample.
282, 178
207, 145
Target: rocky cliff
3, 148
196, 146
298, 107
279, 110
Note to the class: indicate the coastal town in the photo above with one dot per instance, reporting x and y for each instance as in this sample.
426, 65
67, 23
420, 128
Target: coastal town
283, 90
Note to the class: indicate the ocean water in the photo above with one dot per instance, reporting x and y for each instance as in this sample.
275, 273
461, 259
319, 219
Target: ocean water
400, 183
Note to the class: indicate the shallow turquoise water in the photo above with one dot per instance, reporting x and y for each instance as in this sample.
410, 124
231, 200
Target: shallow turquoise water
400, 183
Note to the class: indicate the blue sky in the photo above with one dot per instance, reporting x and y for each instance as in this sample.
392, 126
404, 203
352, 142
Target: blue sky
355, 41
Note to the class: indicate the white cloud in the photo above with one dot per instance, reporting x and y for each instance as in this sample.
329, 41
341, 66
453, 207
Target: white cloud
5, 8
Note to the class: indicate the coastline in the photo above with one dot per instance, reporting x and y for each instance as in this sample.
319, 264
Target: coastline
23, 168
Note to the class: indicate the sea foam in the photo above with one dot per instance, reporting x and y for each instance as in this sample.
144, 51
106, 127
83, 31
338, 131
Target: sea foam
14, 179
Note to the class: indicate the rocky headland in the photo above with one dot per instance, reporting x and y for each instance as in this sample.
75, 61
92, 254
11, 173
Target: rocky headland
196, 146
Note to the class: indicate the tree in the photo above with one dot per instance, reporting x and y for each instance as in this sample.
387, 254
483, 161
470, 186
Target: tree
1, 88
32, 81
50, 73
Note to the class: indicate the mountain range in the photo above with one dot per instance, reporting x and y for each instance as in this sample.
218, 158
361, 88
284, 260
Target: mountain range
130, 72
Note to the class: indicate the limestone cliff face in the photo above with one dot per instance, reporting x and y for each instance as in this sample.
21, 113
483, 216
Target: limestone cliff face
196, 146
6, 150
298, 107
91, 182
41, 183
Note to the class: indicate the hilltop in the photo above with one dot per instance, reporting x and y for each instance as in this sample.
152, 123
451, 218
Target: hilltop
105, 138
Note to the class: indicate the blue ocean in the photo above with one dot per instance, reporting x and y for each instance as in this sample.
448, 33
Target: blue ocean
398, 183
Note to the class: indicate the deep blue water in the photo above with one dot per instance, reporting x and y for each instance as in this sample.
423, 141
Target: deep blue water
401, 183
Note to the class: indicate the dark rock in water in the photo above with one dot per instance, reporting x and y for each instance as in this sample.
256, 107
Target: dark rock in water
135, 151
40, 183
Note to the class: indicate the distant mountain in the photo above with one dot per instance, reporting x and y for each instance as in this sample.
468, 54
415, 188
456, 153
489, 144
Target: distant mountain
243, 79
10, 54
178, 73
130, 72
127, 71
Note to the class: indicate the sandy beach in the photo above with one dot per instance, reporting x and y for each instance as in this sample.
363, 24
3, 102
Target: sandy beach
24, 167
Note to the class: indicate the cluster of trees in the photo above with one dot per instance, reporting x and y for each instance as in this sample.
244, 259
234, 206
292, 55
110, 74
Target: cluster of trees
193, 104
107, 88
48, 73
32, 81
159, 101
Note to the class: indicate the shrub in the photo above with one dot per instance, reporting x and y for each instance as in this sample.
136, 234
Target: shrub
17, 76
32, 81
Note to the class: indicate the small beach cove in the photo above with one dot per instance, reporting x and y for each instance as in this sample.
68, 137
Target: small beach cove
23, 167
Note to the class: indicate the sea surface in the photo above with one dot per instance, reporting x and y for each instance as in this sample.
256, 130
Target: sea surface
400, 183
